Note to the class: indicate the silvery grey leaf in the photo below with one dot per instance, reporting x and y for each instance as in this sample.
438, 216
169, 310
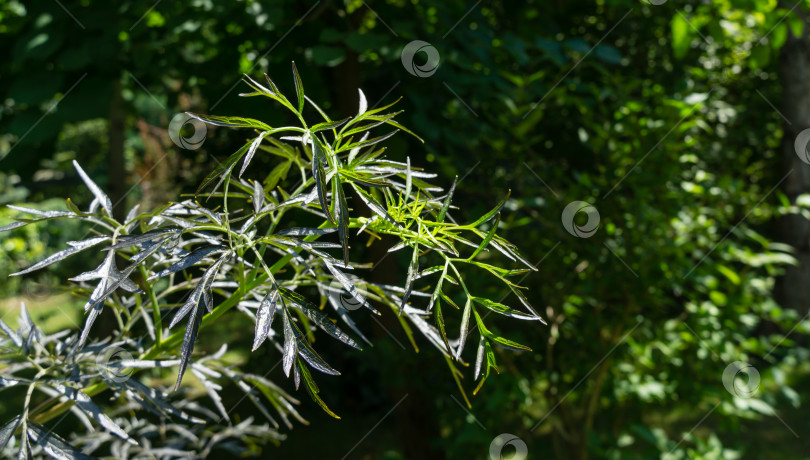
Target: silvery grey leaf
101, 197
290, 348
90, 408
13, 225
264, 318
251, 395
372, 204
321, 320
306, 351
39, 212
212, 389
159, 400
465, 323
343, 220
7, 431
189, 338
363, 105
130, 220
189, 260
53, 444
75, 246
192, 301
303, 231
258, 196
350, 288
15, 338
427, 330
152, 235
479, 359
251, 151
353, 152
413, 270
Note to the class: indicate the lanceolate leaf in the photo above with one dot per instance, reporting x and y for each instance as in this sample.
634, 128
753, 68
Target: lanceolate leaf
465, 326
321, 320
488, 238
367, 143
503, 309
318, 160
258, 195
102, 197
343, 220
350, 287
413, 270
53, 444
299, 88
231, 122
447, 200
7, 431
148, 237
187, 261
313, 391
302, 231
290, 348
251, 150
195, 318
328, 125
12, 226
491, 213
75, 246
264, 318
86, 405
306, 351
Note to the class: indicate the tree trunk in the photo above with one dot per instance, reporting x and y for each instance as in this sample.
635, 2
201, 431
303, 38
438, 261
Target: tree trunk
793, 290
117, 173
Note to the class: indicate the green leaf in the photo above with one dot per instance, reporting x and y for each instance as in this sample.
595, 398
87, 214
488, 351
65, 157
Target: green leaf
318, 160
299, 88
491, 213
278, 173
447, 200
343, 220
329, 125
503, 309
413, 270
488, 238
313, 391
362, 179
231, 122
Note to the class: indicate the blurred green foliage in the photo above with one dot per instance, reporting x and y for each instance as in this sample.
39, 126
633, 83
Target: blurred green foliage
660, 116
